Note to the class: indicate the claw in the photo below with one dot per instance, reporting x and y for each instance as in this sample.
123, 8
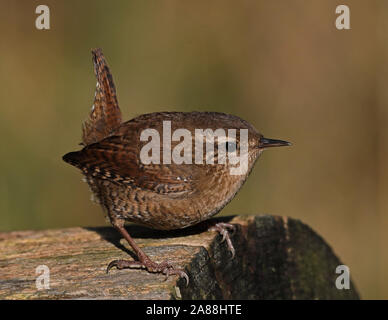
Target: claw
184, 275
222, 228
166, 272
111, 265
224, 234
165, 268
231, 247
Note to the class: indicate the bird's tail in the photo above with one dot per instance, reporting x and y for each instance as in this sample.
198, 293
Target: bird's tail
105, 115
73, 158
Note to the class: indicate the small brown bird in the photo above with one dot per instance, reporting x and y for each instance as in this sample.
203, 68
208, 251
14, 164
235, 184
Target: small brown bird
162, 193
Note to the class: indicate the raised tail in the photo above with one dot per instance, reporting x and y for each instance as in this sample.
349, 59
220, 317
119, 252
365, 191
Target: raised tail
105, 115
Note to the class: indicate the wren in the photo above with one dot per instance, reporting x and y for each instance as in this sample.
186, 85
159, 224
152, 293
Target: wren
160, 194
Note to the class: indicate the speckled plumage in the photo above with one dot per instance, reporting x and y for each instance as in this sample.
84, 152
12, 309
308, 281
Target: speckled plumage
163, 196
160, 196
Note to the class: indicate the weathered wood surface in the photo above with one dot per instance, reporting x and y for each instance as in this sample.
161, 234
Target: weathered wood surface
276, 258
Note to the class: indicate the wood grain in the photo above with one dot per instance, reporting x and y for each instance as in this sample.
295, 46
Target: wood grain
276, 258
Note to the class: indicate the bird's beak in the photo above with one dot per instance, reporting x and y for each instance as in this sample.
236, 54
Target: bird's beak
266, 143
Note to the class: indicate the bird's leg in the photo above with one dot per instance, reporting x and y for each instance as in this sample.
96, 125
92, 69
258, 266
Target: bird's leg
224, 229
145, 261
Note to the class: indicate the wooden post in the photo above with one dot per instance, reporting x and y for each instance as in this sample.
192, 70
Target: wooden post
276, 258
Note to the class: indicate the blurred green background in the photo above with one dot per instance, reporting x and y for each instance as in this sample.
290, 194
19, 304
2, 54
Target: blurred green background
281, 65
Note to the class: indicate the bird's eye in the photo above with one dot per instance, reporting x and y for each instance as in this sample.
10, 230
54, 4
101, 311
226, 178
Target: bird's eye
230, 146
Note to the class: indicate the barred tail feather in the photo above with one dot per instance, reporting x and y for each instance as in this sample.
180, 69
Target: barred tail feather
105, 115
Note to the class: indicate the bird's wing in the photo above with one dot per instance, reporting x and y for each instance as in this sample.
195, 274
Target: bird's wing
117, 159
105, 115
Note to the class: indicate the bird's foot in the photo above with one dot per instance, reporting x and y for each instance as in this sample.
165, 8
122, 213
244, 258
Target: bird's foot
224, 230
165, 267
